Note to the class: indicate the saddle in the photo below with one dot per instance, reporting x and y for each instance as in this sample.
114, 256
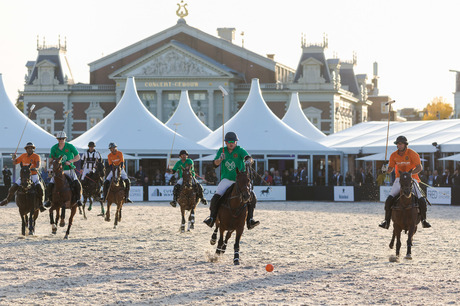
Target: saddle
398, 206
225, 198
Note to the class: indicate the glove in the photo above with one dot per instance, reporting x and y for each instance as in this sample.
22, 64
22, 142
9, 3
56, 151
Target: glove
176, 175
222, 156
248, 161
384, 168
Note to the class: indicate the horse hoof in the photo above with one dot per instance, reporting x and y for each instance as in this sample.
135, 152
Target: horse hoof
89, 208
66, 237
62, 224
213, 241
236, 262
108, 220
408, 256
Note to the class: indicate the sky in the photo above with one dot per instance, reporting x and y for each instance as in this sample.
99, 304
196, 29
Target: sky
414, 42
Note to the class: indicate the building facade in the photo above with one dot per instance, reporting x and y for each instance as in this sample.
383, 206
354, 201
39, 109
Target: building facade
181, 57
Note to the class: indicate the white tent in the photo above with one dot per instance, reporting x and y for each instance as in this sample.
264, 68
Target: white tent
188, 124
135, 130
297, 120
455, 157
12, 124
379, 156
261, 131
370, 137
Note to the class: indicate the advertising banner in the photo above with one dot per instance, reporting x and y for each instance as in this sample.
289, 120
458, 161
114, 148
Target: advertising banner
384, 193
440, 195
344, 193
136, 193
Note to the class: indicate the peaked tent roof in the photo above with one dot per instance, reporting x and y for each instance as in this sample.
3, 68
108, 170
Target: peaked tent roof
297, 120
188, 124
134, 129
12, 124
261, 131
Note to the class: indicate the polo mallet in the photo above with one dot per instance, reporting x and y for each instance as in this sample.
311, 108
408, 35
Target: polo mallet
388, 128
28, 118
172, 146
224, 93
66, 114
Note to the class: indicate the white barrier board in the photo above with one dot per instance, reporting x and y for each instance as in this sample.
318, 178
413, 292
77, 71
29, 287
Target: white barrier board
268, 193
344, 193
136, 193
440, 195
384, 193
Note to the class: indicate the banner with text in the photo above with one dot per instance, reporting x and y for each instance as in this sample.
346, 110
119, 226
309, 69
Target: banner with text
268, 193
344, 193
384, 193
136, 193
440, 195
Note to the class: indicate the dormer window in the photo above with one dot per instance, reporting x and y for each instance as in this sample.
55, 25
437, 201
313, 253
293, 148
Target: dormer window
311, 72
94, 114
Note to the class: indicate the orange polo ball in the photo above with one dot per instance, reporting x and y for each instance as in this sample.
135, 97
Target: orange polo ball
269, 268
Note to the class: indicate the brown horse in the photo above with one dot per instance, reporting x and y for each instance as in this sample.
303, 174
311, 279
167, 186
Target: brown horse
187, 199
405, 214
232, 214
61, 199
92, 188
116, 195
27, 199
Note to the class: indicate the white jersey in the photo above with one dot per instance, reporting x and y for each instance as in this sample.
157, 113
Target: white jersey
89, 159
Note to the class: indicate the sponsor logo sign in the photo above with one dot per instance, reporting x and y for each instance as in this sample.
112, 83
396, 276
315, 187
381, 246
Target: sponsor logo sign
384, 193
136, 193
440, 195
344, 193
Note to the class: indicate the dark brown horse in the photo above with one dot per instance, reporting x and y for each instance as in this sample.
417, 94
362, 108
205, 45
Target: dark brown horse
232, 215
27, 199
405, 214
92, 188
187, 199
61, 199
115, 194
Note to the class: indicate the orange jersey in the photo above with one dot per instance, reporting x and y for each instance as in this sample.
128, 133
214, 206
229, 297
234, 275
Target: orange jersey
32, 160
409, 160
115, 159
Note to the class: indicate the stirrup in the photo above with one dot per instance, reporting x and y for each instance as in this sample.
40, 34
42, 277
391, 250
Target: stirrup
173, 203
251, 223
425, 224
385, 224
79, 203
209, 221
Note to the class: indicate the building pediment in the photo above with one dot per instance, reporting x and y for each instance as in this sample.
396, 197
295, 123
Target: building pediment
173, 61
311, 61
46, 63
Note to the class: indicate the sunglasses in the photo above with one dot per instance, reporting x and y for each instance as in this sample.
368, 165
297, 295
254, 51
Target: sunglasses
230, 141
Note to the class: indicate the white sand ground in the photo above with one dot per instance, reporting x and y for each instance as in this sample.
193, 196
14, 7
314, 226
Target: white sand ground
323, 253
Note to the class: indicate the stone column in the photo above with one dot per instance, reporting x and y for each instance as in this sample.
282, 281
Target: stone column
211, 109
159, 104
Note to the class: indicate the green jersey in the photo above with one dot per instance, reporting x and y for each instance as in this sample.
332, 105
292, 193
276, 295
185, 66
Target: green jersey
231, 162
68, 153
179, 165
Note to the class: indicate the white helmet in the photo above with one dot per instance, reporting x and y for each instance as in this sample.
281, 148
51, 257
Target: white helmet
61, 134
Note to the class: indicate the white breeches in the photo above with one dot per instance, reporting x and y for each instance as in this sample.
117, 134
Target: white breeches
396, 188
85, 172
70, 173
124, 176
223, 186
33, 177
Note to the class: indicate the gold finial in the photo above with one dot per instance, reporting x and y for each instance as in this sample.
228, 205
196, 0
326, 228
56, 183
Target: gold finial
182, 13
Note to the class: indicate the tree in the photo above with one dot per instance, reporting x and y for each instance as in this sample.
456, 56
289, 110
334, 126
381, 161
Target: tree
439, 108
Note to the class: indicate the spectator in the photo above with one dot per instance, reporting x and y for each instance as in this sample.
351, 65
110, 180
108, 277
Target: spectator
211, 178
145, 184
157, 178
446, 178
430, 178
436, 179
456, 178
303, 176
338, 179
277, 180
360, 177
348, 179
140, 176
7, 176
168, 176
380, 179
294, 177
267, 178
285, 177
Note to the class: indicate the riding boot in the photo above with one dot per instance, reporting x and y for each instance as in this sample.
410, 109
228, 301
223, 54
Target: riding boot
39, 191
214, 208
388, 204
199, 191
10, 196
251, 223
422, 207
77, 192
49, 191
105, 189
176, 191
127, 187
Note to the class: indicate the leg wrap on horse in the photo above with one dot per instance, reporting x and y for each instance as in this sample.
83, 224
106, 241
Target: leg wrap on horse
49, 191
127, 187
214, 208
11, 193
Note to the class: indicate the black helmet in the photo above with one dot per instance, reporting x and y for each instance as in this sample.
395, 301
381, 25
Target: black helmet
112, 145
402, 139
29, 144
231, 136
91, 144
183, 152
